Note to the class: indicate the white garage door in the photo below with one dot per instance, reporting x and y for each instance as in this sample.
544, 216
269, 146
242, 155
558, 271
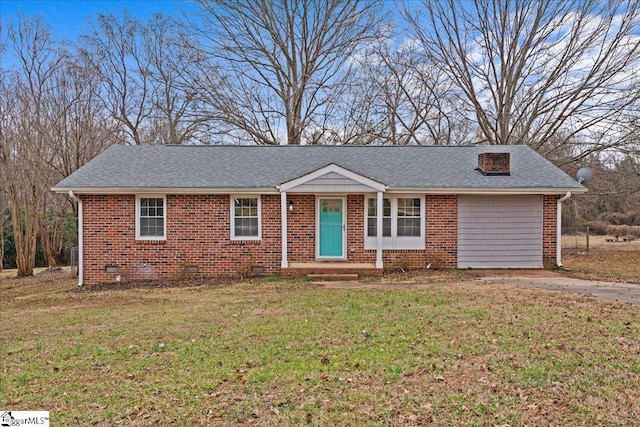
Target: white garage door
500, 231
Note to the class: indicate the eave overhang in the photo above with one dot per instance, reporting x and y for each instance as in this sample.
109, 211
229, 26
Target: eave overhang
488, 190
165, 190
281, 188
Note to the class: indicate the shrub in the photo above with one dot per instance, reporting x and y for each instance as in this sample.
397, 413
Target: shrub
621, 218
598, 227
623, 230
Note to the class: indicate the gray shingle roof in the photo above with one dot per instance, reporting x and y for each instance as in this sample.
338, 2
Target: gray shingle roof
261, 167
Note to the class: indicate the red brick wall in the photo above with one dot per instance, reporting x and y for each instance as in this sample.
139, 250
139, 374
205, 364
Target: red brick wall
549, 230
442, 229
198, 234
301, 229
441, 238
355, 231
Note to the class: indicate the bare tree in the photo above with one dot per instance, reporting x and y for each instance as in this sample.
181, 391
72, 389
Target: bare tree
4, 209
176, 116
528, 69
4, 105
141, 69
51, 123
78, 129
24, 151
395, 97
79, 126
114, 52
268, 68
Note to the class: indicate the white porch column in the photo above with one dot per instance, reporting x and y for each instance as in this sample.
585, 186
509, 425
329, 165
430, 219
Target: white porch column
283, 222
379, 213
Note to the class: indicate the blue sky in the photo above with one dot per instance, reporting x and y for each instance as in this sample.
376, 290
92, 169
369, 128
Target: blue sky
68, 18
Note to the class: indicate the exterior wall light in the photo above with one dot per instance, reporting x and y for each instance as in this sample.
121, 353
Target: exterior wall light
290, 205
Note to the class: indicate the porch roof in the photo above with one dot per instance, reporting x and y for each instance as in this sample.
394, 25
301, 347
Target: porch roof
332, 178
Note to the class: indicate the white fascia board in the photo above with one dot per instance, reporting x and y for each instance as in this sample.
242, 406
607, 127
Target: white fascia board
278, 190
489, 191
147, 190
332, 168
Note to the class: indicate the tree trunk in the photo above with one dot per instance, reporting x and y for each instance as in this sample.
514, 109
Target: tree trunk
47, 247
51, 234
2, 243
25, 233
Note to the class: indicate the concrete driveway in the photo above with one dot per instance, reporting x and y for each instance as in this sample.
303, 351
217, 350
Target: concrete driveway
543, 279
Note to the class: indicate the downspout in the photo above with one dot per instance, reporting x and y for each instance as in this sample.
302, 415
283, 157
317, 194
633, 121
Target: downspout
559, 227
80, 239
284, 263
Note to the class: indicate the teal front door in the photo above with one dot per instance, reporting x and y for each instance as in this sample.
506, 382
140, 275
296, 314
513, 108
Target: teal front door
331, 228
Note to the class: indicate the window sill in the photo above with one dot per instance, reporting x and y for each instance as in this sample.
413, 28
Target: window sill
398, 243
150, 242
246, 241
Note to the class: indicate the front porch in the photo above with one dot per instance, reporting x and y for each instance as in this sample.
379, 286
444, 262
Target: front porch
330, 270
334, 244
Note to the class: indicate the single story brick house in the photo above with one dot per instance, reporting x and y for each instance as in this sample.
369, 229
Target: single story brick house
148, 212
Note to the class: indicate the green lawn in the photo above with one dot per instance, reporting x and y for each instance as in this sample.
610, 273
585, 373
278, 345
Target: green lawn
273, 352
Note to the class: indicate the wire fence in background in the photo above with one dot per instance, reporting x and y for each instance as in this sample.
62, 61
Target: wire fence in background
576, 240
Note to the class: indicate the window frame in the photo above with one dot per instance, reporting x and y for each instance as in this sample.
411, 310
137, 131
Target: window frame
232, 215
138, 217
368, 217
394, 241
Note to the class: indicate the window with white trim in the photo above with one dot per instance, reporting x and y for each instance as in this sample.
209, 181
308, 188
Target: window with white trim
402, 223
372, 220
408, 221
151, 218
245, 218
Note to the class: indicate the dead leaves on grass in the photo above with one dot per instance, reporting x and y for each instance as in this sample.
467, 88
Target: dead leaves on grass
608, 264
473, 375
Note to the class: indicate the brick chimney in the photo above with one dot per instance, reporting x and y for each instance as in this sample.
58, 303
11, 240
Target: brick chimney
494, 163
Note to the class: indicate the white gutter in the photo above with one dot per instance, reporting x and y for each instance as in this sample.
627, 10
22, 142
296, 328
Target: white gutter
278, 189
164, 190
80, 239
559, 229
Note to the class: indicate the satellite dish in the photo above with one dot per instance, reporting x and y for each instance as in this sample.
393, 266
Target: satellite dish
584, 175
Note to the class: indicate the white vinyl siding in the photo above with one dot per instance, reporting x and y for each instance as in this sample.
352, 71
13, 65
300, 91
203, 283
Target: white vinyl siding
500, 231
328, 183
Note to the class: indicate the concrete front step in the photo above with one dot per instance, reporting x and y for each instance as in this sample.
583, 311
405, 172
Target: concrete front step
336, 269
332, 277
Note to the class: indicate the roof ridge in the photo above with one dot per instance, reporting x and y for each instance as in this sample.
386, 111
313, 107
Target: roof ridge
317, 146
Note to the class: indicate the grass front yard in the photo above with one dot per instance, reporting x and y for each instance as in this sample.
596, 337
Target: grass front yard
270, 352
